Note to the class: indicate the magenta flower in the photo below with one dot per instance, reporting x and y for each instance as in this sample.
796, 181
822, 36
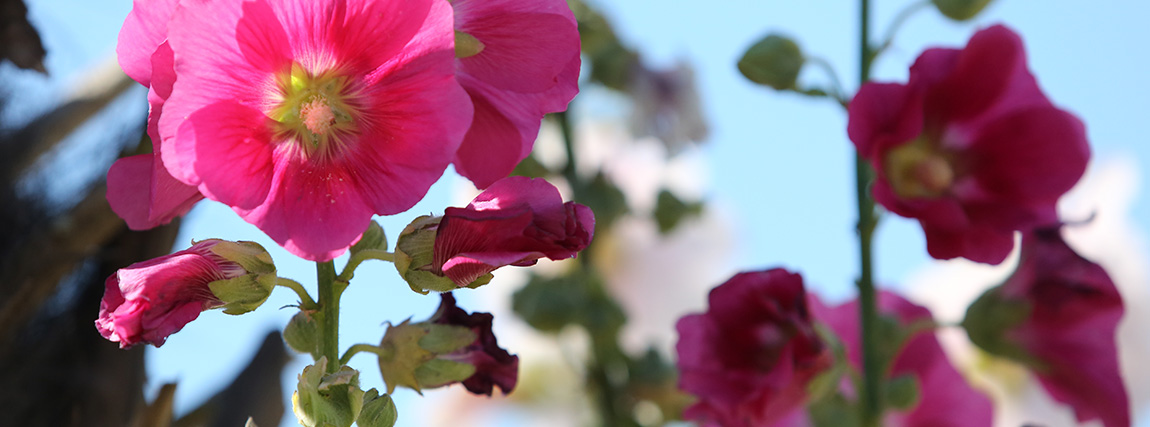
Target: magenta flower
515, 222
147, 301
518, 60
494, 366
749, 358
945, 398
140, 189
970, 147
1062, 312
309, 117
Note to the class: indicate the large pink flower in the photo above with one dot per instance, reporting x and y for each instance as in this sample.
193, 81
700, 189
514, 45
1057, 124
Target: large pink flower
1058, 314
970, 146
140, 189
515, 222
945, 398
518, 60
147, 301
308, 117
749, 358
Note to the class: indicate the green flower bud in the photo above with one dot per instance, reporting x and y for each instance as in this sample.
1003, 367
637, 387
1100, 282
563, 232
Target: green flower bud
323, 399
960, 10
302, 334
378, 411
372, 239
774, 61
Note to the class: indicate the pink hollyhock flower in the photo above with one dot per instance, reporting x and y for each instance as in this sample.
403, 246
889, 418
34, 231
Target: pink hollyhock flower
309, 117
494, 366
970, 147
515, 222
1058, 314
147, 301
945, 398
518, 60
749, 358
140, 189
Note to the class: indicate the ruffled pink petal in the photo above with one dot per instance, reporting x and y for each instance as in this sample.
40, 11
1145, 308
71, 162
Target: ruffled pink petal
414, 104
355, 36
143, 199
527, 44
981, 74
231, 47
466, 267
145, 28
883, 116
1035, 154
946, 400
233, 151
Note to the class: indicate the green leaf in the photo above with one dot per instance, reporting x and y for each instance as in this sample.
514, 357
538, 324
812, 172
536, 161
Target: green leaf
670, 210
372, 238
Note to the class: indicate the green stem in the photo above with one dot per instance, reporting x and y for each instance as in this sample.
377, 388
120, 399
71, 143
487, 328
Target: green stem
363, 348
902, 17
872, 367
569, 171
361, 256
304, 298
329, 313
839, 94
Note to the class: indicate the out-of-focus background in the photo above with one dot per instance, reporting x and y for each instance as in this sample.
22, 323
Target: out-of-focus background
773, 171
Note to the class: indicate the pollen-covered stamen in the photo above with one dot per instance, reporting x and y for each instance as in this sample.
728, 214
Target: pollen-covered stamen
919, 170
317, 116
315, 113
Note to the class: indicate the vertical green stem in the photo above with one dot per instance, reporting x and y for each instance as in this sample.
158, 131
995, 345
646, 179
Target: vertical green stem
872, 367
329, 313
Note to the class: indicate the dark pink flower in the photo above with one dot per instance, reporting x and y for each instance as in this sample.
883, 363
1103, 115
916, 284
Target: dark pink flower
749, 358
970, 147
140, 189
515, 222
518, 60
147, 301
945, 398
309, 117
494, 366
1061, 314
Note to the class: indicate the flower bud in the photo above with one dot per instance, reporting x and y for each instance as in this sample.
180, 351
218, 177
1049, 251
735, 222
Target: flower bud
774, 61
378, 411
148, 301
960, 10
327, 399
302, 334
451, 347
372, 239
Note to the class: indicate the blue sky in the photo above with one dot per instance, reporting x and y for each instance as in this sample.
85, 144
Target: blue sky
782, 163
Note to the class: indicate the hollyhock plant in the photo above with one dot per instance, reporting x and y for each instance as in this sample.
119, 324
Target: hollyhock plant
969, 146
516, 221
750, 356
494, 366
147, 301
140, 189
945, 399
518, 60
320, 114
1058, 314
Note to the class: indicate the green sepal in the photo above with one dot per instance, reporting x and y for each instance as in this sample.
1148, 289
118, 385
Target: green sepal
441, 372
401, 355
960, 10
826, 383
302, 334
244, 293
414, 254
443, 339
323, 400
250, 255
774, 61
987, 320
378, 411
372, 238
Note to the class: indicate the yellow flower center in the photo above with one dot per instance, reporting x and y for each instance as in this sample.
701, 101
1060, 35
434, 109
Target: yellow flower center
919, 169
316, 113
